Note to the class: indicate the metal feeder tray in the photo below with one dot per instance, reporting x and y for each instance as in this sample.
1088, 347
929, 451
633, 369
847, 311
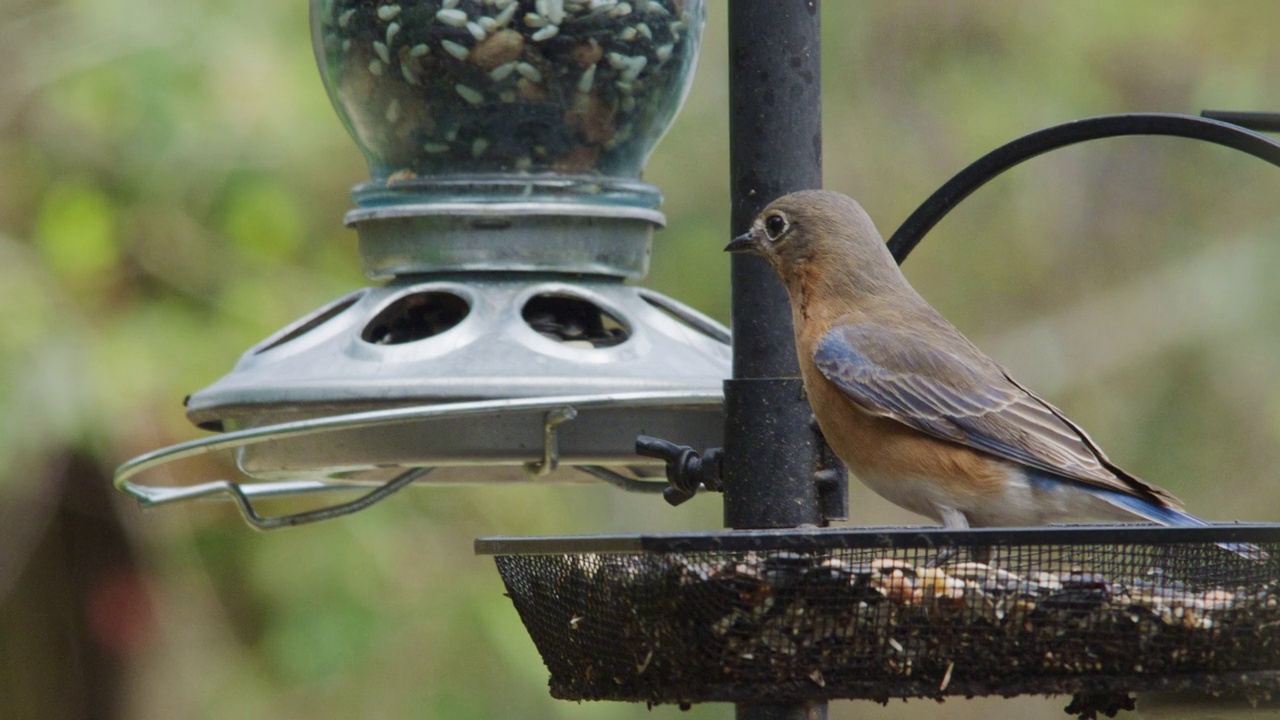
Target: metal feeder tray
1097, 611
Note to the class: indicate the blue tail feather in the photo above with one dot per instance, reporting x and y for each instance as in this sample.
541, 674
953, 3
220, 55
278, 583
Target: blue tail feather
1147, 510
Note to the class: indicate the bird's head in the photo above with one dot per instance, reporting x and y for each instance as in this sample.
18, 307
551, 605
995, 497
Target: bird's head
818, 232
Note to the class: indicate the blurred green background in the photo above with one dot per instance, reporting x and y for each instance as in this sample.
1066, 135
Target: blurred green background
172, 184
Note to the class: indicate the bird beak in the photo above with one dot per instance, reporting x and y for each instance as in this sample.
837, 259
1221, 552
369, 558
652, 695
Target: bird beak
744, 243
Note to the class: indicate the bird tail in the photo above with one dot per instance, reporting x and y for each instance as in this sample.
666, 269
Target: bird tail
1173, 517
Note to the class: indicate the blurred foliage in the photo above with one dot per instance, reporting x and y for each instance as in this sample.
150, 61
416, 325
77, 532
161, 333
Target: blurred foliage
172, 183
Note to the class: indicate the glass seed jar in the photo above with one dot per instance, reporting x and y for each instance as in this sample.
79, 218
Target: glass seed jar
489, 100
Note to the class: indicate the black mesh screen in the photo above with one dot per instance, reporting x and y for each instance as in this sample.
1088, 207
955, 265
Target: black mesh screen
772, 625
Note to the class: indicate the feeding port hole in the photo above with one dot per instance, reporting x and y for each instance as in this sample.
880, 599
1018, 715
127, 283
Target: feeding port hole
573, 321
416, 316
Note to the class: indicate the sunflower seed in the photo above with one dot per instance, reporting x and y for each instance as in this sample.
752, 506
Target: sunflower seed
587, 80
502, 72
545, 33
470, 94
459, 51
554, 11
529, 72
450, 16
636, 67
504, 17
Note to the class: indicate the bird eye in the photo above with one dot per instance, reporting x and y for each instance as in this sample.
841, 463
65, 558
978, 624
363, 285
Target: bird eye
774, 226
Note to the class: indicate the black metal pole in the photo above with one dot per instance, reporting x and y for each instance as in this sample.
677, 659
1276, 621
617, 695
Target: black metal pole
775, 147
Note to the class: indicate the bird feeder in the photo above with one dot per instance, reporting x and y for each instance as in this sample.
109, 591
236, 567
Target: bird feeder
504, 214
503, 217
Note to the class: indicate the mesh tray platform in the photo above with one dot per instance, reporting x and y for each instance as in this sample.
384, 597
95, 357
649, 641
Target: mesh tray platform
766, 616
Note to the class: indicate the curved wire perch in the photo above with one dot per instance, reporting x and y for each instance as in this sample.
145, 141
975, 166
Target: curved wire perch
243, 494
151, 496
905, 239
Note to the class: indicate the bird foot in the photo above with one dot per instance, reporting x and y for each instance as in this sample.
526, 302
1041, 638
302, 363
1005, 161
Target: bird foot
979, 554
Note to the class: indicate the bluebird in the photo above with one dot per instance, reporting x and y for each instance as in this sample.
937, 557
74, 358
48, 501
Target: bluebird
916, 411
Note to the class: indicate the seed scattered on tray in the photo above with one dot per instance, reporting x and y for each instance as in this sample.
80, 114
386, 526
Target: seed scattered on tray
778, 625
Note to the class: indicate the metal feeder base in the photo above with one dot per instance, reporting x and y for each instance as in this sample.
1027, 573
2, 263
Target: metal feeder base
461, 378
505, 340
788, 616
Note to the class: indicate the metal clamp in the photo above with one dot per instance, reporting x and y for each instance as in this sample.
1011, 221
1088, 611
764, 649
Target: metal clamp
831, 478
550, 442
687, 470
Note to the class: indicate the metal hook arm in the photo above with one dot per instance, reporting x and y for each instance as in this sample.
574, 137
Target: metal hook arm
153, 496
1039, 142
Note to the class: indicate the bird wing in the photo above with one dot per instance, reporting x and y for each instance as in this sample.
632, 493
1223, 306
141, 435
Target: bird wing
961, 395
